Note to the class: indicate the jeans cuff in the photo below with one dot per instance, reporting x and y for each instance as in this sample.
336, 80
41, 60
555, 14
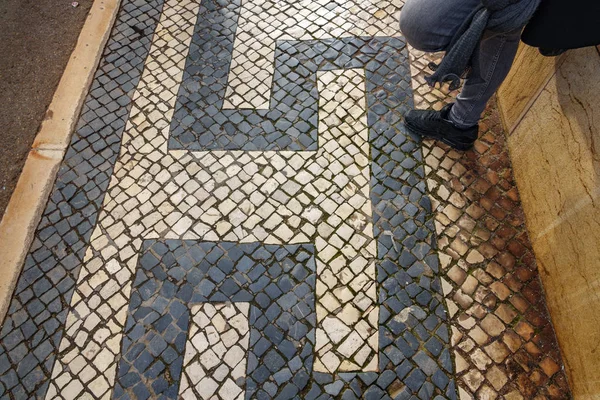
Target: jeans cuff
459, 122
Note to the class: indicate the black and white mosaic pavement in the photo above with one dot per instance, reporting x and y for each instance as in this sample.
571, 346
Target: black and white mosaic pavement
201, 123
279, 283
36, 317
63, 336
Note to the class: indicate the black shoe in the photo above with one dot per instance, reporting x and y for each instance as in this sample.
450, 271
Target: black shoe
546, 52
436, 125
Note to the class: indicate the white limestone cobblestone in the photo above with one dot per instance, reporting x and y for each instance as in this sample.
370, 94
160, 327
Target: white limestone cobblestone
271, 197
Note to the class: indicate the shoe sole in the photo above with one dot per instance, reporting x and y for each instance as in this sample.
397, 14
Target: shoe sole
455, 145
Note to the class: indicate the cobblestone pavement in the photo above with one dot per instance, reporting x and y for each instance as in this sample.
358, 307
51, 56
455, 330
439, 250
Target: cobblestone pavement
502, 340
241, 214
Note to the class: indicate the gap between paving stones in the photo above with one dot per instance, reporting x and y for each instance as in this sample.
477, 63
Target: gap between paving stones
27, 202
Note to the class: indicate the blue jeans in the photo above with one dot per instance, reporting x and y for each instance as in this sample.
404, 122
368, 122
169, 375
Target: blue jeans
429, 25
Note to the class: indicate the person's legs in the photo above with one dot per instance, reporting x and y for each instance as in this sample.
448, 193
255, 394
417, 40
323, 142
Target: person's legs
429, 25
496, 55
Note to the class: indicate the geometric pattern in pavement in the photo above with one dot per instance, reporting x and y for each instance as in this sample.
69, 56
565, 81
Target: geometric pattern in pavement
201, 123
377, 296
137, 176
262, 24
202, 120
276, 283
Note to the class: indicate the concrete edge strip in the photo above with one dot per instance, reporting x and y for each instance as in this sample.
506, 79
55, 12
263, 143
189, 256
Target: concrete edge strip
27, 202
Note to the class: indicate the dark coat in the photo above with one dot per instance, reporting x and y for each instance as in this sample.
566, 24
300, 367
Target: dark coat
564, 24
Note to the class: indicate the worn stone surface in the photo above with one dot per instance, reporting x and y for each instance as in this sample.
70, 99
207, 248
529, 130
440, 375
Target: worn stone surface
196, 248
502, 337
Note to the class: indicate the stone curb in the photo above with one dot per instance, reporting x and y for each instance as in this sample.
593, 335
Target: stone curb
27, 202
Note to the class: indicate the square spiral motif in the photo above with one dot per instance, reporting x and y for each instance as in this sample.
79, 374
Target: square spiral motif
240, 214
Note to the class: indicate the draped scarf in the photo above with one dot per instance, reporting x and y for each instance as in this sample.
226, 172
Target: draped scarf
497, 16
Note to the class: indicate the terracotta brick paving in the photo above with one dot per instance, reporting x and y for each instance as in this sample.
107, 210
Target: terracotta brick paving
502, 337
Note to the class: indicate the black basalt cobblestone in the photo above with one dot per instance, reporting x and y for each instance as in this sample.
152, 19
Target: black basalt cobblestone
277, 281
